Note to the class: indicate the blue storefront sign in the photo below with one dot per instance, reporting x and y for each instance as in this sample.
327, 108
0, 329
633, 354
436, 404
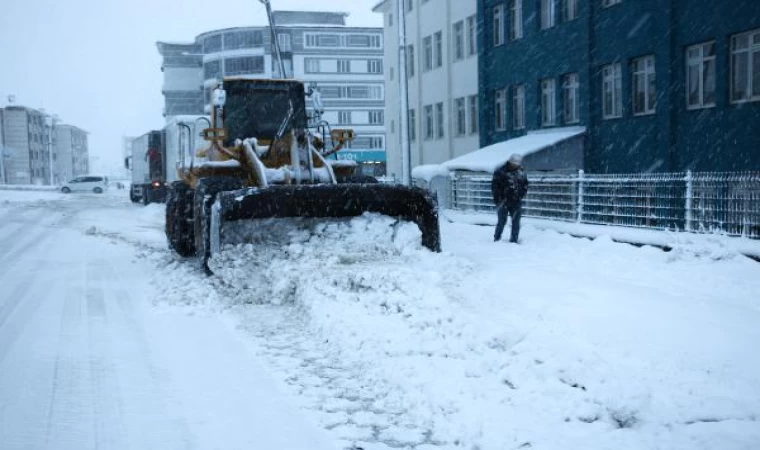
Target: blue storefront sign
361, 156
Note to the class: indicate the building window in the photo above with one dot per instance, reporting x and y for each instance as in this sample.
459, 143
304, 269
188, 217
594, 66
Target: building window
516, 20
390, 20
212, 44
311, 65
439, 120
571, 111
344, 66
473, 107
612, 91
461, 117
518, 107
429, 122
375, 41
548, 102
745, 67
500, 109
284, 41
644, 88
569, 10
458, 31
438, 38
344, 117
608, 3
375, 66
244, 65
547, 14
412, 125
212, 69
427, 48
700, 75
498, 25
472, 35
391, 73
376, 117
410, 61
375, 93
409, 5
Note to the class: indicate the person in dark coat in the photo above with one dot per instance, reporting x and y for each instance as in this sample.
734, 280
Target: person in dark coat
509, 186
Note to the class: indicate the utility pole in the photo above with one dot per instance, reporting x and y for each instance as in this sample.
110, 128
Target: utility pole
275, 39
2, 163
406, 151
53, 119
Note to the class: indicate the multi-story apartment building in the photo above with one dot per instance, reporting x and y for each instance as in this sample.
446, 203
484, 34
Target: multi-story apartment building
27, 138
71, 153
442, 74
26, 145
659, 85
344, 63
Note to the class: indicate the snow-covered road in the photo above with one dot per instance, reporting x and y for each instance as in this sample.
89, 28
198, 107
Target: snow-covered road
106, 339
87, 362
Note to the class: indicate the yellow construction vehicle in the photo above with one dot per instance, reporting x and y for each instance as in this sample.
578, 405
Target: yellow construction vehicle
262, 161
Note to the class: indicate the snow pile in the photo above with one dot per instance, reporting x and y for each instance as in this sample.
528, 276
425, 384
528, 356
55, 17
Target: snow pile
488, 346
27, 187
9, 196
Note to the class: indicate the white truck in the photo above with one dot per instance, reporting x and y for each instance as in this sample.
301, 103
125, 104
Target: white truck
157, 154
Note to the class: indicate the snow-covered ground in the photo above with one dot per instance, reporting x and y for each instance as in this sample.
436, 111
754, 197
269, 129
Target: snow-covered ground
556, 343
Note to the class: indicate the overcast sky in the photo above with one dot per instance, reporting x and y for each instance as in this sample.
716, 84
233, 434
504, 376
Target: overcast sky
95, 62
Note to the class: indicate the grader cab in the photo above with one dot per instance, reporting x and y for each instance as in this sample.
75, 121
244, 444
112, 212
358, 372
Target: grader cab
262, 161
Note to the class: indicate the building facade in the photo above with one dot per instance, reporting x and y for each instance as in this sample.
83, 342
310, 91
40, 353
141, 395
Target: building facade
660, 85
32, 141
344, 63
71, 153
442, 75
26, 145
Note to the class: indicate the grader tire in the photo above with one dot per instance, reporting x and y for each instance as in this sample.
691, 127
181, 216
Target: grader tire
179, 226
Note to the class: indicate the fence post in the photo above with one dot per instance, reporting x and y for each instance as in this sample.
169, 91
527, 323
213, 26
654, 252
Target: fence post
688, 213
453, 179
579, 215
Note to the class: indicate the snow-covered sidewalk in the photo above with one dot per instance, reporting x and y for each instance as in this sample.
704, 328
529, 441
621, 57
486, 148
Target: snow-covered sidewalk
557, 343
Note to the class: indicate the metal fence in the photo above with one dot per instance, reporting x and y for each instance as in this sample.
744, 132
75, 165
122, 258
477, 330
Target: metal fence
727, 203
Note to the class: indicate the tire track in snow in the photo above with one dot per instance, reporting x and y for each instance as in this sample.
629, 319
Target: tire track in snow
16, 312
70, 408
107, 405
349, 405
22, 246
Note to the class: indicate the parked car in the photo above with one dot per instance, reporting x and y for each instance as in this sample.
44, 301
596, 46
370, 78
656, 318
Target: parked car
89, 183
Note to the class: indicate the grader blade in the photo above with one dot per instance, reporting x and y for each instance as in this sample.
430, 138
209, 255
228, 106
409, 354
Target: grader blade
327, 201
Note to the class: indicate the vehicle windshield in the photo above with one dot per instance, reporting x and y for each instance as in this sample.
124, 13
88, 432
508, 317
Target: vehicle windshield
253, 110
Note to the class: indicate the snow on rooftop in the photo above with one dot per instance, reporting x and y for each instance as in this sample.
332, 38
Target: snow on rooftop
489, 158
428, 171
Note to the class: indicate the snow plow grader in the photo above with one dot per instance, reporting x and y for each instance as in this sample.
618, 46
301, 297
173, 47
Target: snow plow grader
263, 162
